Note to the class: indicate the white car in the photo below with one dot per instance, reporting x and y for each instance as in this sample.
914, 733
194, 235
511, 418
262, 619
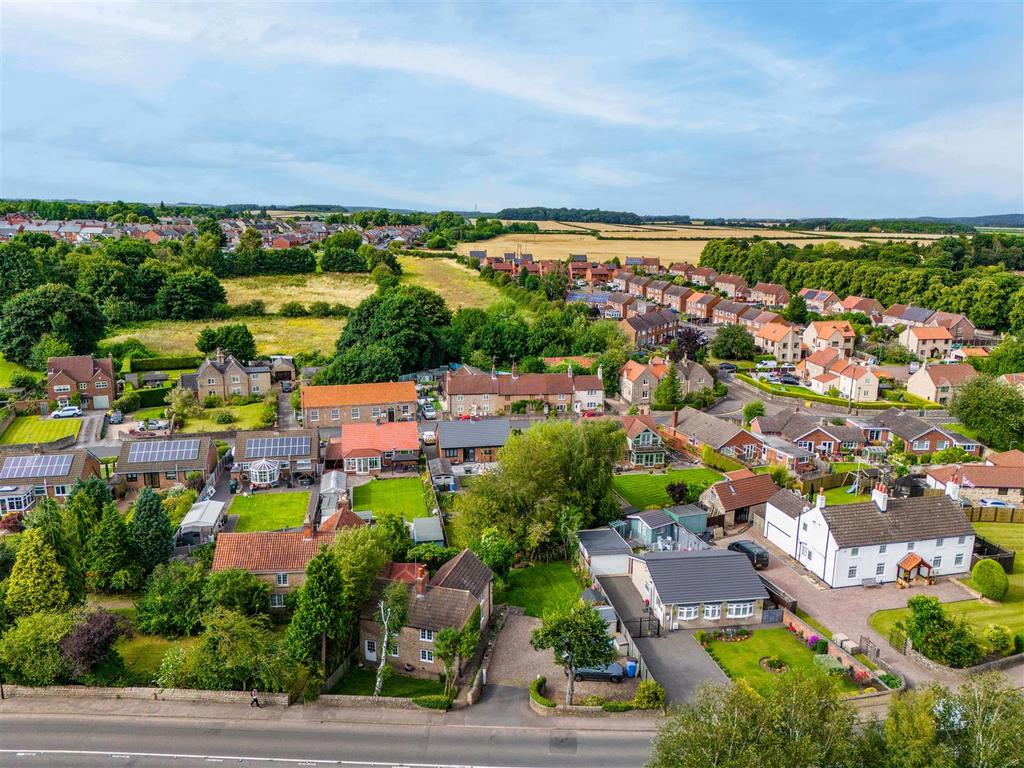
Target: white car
994, 503
429, 438
67, 412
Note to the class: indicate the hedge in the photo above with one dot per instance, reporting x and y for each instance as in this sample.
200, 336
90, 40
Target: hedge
617, 706
432, 701
816, 398
989, 578
150, 397
715, 460
536, 688
160, 363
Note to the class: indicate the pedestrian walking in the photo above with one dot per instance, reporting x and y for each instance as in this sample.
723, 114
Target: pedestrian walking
255, 700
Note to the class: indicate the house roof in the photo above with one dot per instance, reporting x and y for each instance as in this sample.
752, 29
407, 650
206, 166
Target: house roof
823, 357
650, 320
653, 518
268, 444
342, 395
975, 352
794, 424
398, 436
1013, 458
947, 319
182, 453
29, 468
706, 428
202, 514
268, 551
485, 433
467, 382
729, 307
914, 314
913, 519
80, 367
771, 288
908, 427
707, 576
744, 492
826, 328
603, 541
980, 475
784, 446
466, 572
730, 279
634, 425
439, 467
633, 370
951, 374
774, 331
788, 502
930, 332
817, 294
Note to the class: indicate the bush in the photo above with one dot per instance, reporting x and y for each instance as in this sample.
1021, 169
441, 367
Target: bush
254, 308
225, 417
891, 681
173, 362
989, 578
774, 662
829, 664
1018, 643
649, 695
293, 309
24, 381
213, 401
151, 397
432, 701
702, 637
536, 692
128, 402
320, 309
617, 706
821, 646
591, 701
998, 636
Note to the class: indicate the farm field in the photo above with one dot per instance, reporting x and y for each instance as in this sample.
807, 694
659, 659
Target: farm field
460, 286
275, 290
32, 429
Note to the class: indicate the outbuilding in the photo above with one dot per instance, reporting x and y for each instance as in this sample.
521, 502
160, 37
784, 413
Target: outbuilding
603, 551
201, 523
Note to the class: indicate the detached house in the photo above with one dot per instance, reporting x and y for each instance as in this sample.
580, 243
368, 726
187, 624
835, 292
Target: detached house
703, 276
269, 458
939, 383
927, 342
26, 477
651, 328
472, 442
92, 379
338, 404
637, 381
162, 462
870, 307
975, 482
644, 447
369, 449
816, 435
830, 334
906, 314
690, 430
820, 301
770, 294
780, 340
225, 377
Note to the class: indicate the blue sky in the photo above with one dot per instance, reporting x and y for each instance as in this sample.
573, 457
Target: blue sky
725, 109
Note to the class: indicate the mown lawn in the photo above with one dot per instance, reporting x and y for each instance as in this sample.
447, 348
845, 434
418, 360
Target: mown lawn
246, 417
142, 654
360, 682
643, 490
541, 587
269, 510
1010, 612
838, 467
403, 495
32, 429
742, 659
838, 496
9, 369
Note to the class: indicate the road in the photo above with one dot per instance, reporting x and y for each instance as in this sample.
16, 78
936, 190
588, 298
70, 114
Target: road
87, 741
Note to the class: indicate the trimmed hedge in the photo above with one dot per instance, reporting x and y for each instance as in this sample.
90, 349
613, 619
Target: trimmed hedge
160, 363
816, 398
536, 692
617, 706
715, 460
150, 397
989, 578
432, 701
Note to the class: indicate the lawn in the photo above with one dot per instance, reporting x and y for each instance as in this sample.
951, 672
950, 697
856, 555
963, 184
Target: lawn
269, 510
246, 417
643, 490
838, 467
835, 497
8, 369
32, 429
403, 495
979, 614
157, 412
540, 587
741, 659
360, 682
142, 654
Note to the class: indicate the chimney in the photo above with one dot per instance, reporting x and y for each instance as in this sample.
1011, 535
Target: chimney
308, 528
953, 485
600, 372
220, 356
880, 496
420, 585
494, 372
569, 371
819, 502
515, 371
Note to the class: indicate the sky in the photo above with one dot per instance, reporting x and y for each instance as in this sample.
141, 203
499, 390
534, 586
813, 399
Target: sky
719, 109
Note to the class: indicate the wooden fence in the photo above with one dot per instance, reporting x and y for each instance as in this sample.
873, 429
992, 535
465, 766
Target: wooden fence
995, 514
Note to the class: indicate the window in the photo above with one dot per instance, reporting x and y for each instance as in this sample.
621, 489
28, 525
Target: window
371, 647
1003, 492
939, 541
277, 601
712, 611
62, 388
255, 388
879, 569
335, 414
426, 635
83, 385
937, 561
131, 477
235, 380
405, 409
686, 612
739, 610
910, 545
920, 445
851, 573
460, 398
375, 412
282, 579
314, 415
804, 526
855, 552
210, 382
60, 490
959, 559
881, 549
171, 475
393, 649
354, 414
101, 384
427, 656
962, 540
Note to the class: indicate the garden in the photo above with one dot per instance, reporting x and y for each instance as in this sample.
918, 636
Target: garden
250, 416
269, 510
540, 587
643, 490
360, 682
33, 429
402, 495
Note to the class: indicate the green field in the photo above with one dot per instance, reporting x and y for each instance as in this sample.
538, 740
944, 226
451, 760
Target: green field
980, 614
8, 369
269, 510
403, 495
360, 682
643, 490
246, 417
540, 587
741, 659
32, 429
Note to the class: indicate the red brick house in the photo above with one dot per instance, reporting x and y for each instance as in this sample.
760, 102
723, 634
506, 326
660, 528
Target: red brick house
701, 306
919, 436
93, 379
369, 449
690, 430
162, 462
770, 294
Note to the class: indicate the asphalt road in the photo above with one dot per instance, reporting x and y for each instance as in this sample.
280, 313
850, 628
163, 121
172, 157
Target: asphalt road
70, 742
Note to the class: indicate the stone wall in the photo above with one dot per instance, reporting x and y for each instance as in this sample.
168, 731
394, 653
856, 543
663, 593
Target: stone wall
387, 702
148, 694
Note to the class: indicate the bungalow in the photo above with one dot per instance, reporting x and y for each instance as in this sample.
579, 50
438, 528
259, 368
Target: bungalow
690, 430
1014, 380
939, 383
727, 313
975, 482
740, 499
816, 435
906, 314
919, 436
338, 404
733, 286
675, 296
780, 340
927, 342
644, 446
819, 300
162, 462
834, 334
458, 594
369, 449
962, 329
701, 306
770, 294
472, 442
90, 378
880, 540
269, 458
26, 477
650, 329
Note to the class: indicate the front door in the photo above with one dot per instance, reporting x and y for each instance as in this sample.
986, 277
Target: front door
371, 650
469, 454
152, 479
362, 466
391, 414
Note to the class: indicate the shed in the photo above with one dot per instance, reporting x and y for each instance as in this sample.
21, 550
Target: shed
604, 551
427, 530
201, 523
692, 517
651, 525
441, 474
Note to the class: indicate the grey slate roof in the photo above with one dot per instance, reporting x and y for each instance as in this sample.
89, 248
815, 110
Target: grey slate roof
654, 518
788, 502
652, 319
793, 425
439, 467
466, 572
603, 541
709, 576
914, 314
705, 427
913, 519
473, 434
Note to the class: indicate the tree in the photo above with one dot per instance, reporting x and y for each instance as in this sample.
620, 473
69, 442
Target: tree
392, 610
361, 364
937, 635
30, 653
235, 340
63, 540
319, 612
431, 555
236, 652
446, 647
669, 393
189, 295
52, 309
578, 636
796, 310
152, 535
47, 347
20, 265
752, 410
237, 590
172, 604
989, 578
112, 565
393, 533
91, 640
690, 344
733, 342
678, 491
496, 550
992, 409
250, 241
37, 581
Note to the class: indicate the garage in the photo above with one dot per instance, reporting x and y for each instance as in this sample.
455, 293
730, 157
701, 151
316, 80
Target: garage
101, 402
603, 552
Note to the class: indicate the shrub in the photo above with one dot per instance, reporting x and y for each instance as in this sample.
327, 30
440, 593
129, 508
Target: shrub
1018, 643
537, 692
213, 400
891, 680
649, 695
173, 362
774, 662
293, 309
320, 309
702, 637
829, 664
821, 646
591, 701
989, 578
432, 701
127, 402
998, 636
225, 417
617, 706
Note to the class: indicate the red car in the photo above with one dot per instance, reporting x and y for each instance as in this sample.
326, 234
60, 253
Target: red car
467, 417
591, 414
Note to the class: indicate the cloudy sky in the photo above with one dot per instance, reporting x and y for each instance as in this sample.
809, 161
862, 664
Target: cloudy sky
723, 109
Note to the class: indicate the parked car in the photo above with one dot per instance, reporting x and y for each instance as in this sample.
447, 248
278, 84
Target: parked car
429, 438
591, 414
727, 367
767, 365
67, 412
758, 555
613, 673
429, 412
286, 386
117, 418
994, 503
771, 378
787, 378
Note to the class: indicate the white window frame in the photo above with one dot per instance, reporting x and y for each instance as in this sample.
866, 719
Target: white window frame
281, 579
879, 569
959, 559
686, 612
739, 610
277, 600
851, 572
426, 656
335, 414
426, 635
936, 562
62, 388
712, 611
353, 413
314, 414
370, 648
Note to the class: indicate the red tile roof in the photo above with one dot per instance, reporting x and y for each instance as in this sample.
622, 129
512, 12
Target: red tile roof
744, 492
341, 395
634, 425
268, 551
373, 439
980, 476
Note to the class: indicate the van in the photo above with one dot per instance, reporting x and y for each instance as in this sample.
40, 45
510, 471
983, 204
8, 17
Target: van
758, 555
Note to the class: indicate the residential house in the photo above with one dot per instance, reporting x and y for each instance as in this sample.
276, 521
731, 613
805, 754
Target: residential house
703, 276
637, 381
974, 482
644, 446
963, 354
876, 541
337, 404
919, 436
91, 378
834, 334
733, 286
770, 294
163, 462
781, 340
472, 442
681, 269
675, 297
927, 342
459, 593
226, 377
781, 452
650, 329
819, 436
755, 319
617, 305
962, 329
820, 301
27, 476
656, 290
727, 312
870, 307
1011, 458
701, 306
369, 449
690, 430
637, 286
906, 315
939, 383
844, 378
739, 499
470, 391
820, 361
267, 458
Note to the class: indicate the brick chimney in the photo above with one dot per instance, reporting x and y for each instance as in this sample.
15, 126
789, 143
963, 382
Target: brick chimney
220, 356
515, 371
569, 371
420, 585
880, 495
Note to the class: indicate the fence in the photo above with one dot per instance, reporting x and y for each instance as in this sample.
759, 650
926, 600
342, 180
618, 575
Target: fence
988, 550
995, 514
645, 626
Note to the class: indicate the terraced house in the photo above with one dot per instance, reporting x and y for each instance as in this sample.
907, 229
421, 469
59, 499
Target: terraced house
336, 404
650, 328
472, 392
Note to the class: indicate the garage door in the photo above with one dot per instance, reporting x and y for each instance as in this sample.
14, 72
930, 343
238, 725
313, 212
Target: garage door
101, 402
604, 565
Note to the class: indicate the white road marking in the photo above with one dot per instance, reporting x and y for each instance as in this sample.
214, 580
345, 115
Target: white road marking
239, 758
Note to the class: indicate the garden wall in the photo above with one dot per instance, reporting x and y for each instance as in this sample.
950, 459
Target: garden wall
59, 444
147, 694
368, 702
580, 711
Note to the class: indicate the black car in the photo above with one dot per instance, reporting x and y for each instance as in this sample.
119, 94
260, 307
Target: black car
789, 379
727, 367
758, 555
612, 673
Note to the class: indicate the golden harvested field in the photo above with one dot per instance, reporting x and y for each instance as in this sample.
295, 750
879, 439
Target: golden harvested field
275, 290
882, 236
460, 286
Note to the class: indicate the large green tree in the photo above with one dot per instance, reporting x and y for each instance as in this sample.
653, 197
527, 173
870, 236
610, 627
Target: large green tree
993, 410
37, 581
52, 309
112, 563
319, 613
733, 342
20, 265
237, 590
234, 339
172, 604
189, 295
578, 637
151, 532
669, 393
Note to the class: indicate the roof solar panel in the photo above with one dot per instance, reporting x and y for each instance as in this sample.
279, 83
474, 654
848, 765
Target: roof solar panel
163, 450
270, 447
36, 465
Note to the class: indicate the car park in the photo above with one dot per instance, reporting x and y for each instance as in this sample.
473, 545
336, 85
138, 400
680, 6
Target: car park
67, 412
613, 673
758, 555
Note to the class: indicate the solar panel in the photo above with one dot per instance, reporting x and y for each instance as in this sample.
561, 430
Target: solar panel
271, 447
163, 450
36, 465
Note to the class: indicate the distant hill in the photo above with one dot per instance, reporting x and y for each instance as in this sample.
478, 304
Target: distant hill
997, 220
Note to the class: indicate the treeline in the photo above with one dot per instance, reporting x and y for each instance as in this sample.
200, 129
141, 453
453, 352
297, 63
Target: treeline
142, 213
595, 215
969, 276
921, 226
